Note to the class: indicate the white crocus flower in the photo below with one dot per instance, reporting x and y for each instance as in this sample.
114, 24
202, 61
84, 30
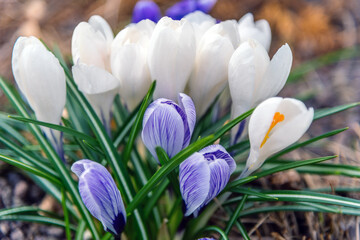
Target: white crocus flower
254, 78
275, 124
210, 72
129, 52
41, 79
201, 22
90, 48
259, 30
171, 56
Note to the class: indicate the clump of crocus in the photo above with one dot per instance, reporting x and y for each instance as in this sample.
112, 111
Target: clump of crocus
275, 124
203, 176
169, 125
100, 195
41, 79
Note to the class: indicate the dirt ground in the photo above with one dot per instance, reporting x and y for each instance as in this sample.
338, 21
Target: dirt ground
311, 28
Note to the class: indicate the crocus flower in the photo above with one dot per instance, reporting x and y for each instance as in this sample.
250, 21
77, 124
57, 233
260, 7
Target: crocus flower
254, 78
180, 9
259, 30
171, 56
275, 124
146, 9
169, 125
100, 195
210, 72
90, 48
203, 176
41, 79
129, 61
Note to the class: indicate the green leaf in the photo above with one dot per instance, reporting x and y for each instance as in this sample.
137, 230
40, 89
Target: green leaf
37, 219
138, 122
24, 209
280, 168
31, 169
80, 231
60, 128
236, 214
248, 191
66, 214
330, 111
124, 130
216, 229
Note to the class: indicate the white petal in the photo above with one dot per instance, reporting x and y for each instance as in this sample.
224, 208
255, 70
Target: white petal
102, 26
171, 56
201, 23
276, 74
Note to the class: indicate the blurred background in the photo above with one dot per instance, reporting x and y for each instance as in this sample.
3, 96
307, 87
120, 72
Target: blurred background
319, 31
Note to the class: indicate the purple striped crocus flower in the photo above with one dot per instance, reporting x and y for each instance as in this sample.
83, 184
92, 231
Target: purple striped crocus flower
184, 7
100, 195
203, 176
146, 9
169, 125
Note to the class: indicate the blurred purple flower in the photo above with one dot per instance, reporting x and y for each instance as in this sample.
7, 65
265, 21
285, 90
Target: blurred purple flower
169, 125
203, 176
100, 195
182, 8
146, 9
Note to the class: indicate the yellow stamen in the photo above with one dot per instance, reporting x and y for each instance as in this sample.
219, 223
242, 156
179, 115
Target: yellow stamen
278, 117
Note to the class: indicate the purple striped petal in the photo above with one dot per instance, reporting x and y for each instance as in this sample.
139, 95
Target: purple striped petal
164, 128
146, 9
205, 5
194, 178
180, 9
187, 105
100, 195
208, 169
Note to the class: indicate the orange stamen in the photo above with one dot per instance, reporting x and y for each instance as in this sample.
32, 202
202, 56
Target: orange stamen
278, 117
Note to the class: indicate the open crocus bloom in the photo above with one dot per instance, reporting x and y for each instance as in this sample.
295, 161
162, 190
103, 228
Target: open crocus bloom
90, 48
259, 30
275, 124
254, 78
146, 9
203, 176
41, 79
129, 64
169, 125
209, 75
171, 56
100, 195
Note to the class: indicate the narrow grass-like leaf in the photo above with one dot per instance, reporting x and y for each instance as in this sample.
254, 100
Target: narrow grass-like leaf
37, 219
235, 214
60, 128
179, 158
53, 157
138, 122
216, 229
80, 231
31, 169
280, 168
320, 113
124, 130
155, 197
24, 209
66, 214
242, 230
250, 192
307, 142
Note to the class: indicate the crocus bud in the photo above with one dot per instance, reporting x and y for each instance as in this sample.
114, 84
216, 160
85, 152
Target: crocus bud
203, 176
171, 56
146, 9
259, 30
254, 78
41, 79
169, 125
180, 9
275, 124
100, 195
201, 22
129, 52
210, 72
90, 48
